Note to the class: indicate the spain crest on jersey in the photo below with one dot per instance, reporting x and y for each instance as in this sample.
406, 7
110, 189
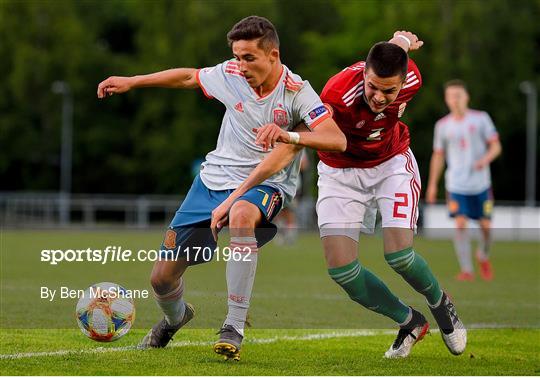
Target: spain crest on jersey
280, 117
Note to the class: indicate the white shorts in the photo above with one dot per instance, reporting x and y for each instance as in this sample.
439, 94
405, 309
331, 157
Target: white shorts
349, 197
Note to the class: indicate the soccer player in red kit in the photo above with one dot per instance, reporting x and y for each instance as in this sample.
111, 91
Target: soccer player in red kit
377, 172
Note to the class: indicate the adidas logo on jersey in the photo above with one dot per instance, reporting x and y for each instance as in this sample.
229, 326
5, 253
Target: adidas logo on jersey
379, 117
239, 107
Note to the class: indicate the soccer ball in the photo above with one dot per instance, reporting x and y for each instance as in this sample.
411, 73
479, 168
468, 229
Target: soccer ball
105, 312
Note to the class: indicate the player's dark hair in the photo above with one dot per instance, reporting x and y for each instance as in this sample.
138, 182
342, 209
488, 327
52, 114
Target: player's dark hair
386, 59
255, 27
455, 83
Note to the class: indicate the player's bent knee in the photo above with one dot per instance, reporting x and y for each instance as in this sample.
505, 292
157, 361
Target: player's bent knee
397, 239
244, 215
485, 224
461, 223
339, 250
161, 284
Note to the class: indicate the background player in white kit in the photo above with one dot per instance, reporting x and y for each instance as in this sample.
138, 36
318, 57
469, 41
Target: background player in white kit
256, 89
468, 141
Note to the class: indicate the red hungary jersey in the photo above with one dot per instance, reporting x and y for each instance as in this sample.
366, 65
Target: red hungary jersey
372, 138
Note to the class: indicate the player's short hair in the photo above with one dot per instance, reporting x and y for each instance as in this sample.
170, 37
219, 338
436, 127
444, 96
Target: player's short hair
455, 83
386, 59
255, 27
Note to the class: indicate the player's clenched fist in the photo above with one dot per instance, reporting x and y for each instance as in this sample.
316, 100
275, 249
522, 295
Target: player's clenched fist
114, 84
414, 42
269, 134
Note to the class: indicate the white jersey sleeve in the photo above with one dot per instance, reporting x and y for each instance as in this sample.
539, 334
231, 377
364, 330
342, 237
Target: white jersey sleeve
216, 83
488, 130
308, 107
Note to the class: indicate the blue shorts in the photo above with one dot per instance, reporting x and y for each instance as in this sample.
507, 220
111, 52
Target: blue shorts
474, 206
190, 227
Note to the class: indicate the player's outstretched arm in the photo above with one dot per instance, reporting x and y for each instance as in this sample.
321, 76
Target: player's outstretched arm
325, 137
278, 159
406, 40
436, 167
173, 78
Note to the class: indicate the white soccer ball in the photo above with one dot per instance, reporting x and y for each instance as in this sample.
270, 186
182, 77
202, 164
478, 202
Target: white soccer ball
105, 312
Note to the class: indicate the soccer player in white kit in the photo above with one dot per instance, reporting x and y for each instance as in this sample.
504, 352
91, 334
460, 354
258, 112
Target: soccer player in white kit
256, 89
469, 142
376, 172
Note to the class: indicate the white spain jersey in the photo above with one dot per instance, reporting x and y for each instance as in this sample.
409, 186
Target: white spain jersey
464, 142
291, 102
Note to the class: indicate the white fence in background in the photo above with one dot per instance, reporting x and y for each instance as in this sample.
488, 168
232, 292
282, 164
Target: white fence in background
44, 210
508, 222
90, 211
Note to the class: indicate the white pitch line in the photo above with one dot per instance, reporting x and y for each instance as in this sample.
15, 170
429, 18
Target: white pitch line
270, 340
316, 336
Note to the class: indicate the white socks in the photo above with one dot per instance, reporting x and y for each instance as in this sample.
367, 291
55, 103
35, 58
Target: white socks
241, 268
172, 304
462, 245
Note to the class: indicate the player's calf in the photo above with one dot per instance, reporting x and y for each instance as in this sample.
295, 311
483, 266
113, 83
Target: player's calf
240, 273
415, 270
367, 289
176, 312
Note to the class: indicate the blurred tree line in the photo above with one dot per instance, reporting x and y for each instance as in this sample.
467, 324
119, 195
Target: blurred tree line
146, 140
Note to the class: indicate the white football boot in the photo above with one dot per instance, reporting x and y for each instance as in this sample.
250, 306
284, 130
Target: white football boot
452, 329
408, 335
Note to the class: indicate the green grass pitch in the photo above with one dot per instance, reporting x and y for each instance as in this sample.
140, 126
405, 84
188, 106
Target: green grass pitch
302, 323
